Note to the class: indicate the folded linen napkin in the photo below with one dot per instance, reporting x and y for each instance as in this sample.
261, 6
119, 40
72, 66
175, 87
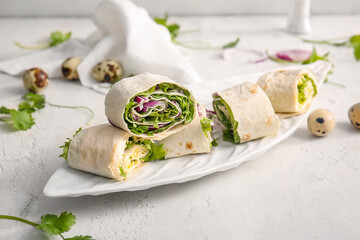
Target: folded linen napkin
126, 33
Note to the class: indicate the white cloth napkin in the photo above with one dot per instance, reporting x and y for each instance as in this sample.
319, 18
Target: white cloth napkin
126, 33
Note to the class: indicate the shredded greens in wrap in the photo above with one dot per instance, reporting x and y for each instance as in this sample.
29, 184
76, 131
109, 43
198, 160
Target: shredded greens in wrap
66, 146
226, 117
158, 109
155, 152
305, 80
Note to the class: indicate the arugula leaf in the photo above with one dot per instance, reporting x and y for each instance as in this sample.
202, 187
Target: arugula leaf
58, 38
355, 43
80, 237
66, 146
231, 44
22, 120
172, 28
56, 225
315, 57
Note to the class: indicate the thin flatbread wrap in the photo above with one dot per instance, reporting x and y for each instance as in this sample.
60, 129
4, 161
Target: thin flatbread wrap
149, 106
195, 138
245, 113
109, 151
290, 91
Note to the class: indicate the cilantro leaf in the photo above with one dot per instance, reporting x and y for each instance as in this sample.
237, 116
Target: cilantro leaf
58, 37
4, 110
22, 120
173, 29
56, 225
355, 43
37, 100
214, 142
231, 44
315, 57
66, 146
80, 237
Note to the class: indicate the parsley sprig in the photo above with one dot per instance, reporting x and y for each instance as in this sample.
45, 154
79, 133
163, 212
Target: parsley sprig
56, 38
353, 41
174, 30
53, 224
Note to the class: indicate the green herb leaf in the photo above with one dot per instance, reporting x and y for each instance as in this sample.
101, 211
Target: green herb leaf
231, 44
56, 225
87, 237
22, 120
4, 110
214, 142
37, 100
66, 146
58, 38
172, 28
315, 57
355, 43
122, 172
157, 152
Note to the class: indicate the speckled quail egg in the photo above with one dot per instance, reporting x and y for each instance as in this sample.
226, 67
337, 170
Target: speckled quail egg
321, 122
107, 71
68, 68
35, 80
354, 115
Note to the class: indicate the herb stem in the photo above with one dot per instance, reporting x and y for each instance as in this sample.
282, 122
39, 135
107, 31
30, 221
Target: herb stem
328, 42
184, 44
61, 236
34, 47
189, 31
336, 84
5, 120
75, 107
19, 219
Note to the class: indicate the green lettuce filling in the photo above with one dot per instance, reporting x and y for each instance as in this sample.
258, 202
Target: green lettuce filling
206, 125
160, 118
226, 117
301, 88
122, 172
66, 146
156, 152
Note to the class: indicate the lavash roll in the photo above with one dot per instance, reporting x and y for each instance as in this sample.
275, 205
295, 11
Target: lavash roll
100, 150
282, 89
190, 140
123, 91
248, 109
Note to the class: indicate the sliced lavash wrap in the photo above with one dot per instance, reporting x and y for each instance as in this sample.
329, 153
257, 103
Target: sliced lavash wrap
149, 106
245, 113
291, 92
195, 138
109, 151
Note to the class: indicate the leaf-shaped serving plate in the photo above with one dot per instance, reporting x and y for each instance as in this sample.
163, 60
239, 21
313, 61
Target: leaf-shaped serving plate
67, 182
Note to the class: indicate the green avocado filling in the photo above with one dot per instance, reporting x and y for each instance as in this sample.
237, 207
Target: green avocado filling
226, 117
301, 88
156, 152
174, 106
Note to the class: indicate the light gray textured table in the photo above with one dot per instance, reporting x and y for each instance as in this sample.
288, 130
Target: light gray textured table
304, 188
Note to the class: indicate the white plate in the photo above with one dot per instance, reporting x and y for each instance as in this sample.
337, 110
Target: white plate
67, 182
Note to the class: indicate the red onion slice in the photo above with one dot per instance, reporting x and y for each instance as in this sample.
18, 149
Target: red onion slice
293, 55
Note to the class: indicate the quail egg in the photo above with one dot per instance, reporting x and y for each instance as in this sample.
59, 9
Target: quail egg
321, 122
68, 68
35, 80
354, 115
107, 71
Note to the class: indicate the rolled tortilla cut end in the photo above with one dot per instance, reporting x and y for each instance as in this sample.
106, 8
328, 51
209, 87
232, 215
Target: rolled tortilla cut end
194, 139
290, 91
149, 106
103, 150
245, 112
